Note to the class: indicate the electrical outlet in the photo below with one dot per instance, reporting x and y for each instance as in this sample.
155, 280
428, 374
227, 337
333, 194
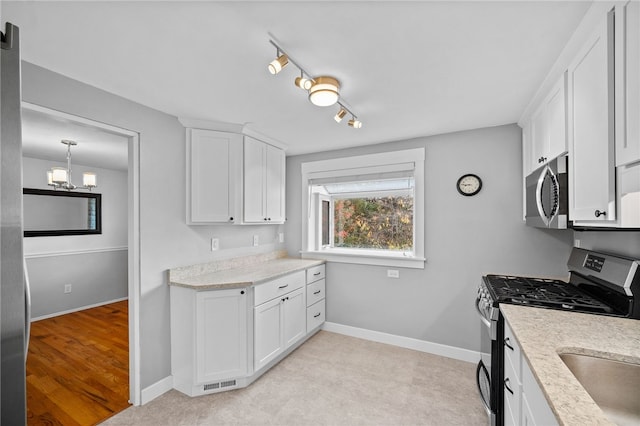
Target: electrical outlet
215, 244
67, 288
393, 273
256, 240
281, 237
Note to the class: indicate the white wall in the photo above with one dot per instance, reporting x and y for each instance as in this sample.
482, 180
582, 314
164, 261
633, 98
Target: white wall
165, 239
466, 237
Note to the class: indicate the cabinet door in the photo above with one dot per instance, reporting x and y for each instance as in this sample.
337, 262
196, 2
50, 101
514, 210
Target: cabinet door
556, 123
628, 90
221, 335
275, 181
267, 332
538, 138
294, 317
211, 157
592, 185
254, 181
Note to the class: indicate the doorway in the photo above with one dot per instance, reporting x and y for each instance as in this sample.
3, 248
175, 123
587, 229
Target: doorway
125, 246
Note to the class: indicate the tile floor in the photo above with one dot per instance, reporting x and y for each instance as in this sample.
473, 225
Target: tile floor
333, 380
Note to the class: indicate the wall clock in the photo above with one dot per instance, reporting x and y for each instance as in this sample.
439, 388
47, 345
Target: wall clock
469, 184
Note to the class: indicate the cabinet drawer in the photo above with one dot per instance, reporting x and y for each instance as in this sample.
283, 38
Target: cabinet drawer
512, 393
315, 273
315, 292
512, 349
315, 315
271, 289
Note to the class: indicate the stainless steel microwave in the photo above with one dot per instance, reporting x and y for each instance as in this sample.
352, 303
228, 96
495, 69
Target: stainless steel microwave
546, 195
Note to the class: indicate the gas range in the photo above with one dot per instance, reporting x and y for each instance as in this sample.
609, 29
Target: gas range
598, 283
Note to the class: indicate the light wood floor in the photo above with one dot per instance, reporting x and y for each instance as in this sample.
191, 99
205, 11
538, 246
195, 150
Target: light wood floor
78, 367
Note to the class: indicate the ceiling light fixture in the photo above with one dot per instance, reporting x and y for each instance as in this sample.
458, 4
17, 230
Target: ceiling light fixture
323, 90
355, 123
303, 83
278, 64
59, 177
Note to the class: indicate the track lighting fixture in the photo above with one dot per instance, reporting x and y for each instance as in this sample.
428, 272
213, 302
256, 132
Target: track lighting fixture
355, 123
340, 114
278, 64
303, 83
323, 90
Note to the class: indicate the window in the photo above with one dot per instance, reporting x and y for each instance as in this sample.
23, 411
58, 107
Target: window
366, 209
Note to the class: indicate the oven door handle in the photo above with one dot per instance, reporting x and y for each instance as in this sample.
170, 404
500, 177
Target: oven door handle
485, 321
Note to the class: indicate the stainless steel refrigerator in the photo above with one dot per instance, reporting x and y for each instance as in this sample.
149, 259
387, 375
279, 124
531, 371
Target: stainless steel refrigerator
13, 321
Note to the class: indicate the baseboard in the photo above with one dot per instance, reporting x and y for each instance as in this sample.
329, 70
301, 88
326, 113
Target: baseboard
404, 342
82, 308
155, 390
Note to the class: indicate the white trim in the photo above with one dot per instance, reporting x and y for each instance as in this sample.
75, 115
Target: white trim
155, 390
82, 308
365, 259
133, 189
74, 252
404, 342
221, 126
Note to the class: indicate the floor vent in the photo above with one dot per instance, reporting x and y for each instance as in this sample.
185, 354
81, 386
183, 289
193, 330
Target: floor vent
211, 386
227, 383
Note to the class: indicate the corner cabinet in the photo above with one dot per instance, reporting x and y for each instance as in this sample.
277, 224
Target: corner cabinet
233, 179
223, 339
264, 181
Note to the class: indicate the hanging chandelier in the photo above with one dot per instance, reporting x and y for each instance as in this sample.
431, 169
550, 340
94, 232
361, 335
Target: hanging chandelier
60, 178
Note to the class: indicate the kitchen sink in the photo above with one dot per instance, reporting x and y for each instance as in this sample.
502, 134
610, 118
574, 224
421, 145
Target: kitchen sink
613, 385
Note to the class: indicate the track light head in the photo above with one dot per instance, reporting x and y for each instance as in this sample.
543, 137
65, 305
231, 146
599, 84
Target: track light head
304, 83
278, 64
324, 91
340, 115
355, 123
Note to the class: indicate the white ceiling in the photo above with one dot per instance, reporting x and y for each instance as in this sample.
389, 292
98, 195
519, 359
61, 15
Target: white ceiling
42, 134
407, 69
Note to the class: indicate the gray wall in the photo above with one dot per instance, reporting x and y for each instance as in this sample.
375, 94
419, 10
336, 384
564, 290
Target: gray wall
626, 243
466, 237
165, 240
95, 265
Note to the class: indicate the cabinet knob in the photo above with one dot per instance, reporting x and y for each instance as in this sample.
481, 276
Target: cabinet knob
242, 292
268, 218
506, 385
598, 213
231, 219
265, 218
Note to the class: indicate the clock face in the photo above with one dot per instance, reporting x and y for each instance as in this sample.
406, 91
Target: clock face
469, 184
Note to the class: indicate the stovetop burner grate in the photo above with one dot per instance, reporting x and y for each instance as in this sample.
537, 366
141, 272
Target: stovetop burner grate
544, 292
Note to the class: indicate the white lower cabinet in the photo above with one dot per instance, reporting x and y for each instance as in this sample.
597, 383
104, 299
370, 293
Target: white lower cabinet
524, 402
279, 317
209, 339
223, 339
315, 297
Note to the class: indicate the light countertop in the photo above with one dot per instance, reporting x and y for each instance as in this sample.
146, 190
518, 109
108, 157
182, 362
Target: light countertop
238, 272
544, 333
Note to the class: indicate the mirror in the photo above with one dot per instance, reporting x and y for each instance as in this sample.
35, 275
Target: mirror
53, 213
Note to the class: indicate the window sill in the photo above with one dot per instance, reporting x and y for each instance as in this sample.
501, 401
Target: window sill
398, 261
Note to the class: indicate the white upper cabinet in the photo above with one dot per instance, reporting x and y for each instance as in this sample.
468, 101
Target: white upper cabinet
548, 128
628, 83
233, 179
591, 127
212, 159
264, 176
